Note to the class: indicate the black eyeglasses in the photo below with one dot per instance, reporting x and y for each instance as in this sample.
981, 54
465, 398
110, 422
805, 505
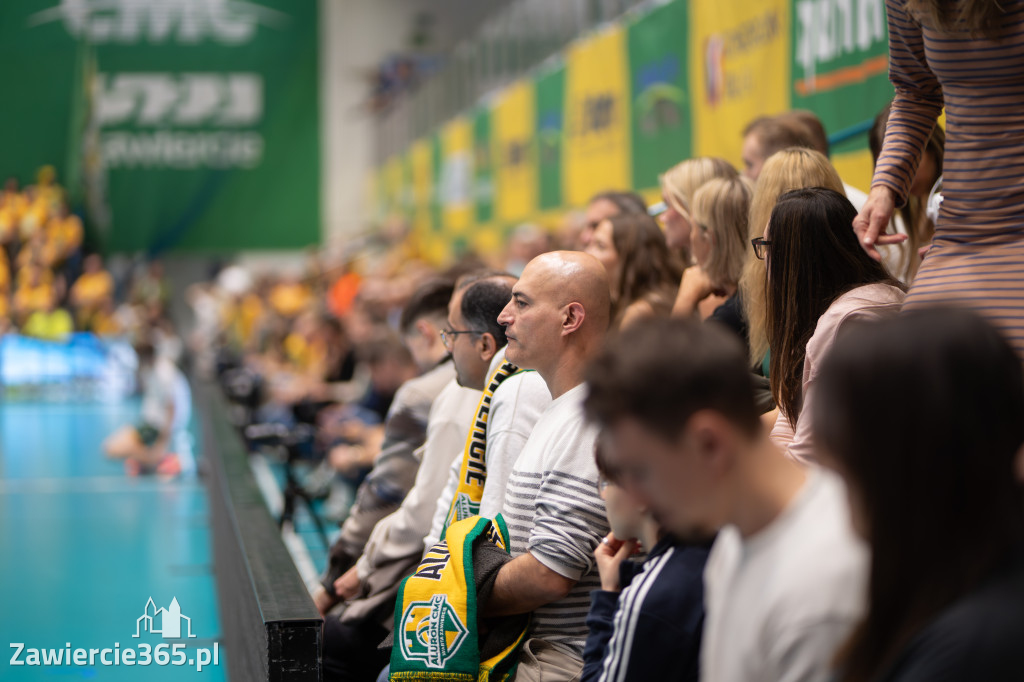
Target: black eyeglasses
448, 335
760, 247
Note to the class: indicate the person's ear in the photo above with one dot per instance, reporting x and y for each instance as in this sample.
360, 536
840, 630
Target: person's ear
712, 438
487, 346
572, 317
426, 330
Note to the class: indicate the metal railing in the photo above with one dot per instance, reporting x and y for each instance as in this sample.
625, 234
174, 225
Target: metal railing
507, 46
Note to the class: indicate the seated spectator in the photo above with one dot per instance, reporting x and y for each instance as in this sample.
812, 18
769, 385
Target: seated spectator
767, 135
719, 244
912, 218
90, 290
51, 323
392, 457
35, 292
160, 442
555, 323
785, 171
643, 273
678, 184
396, 543
785, 581
931, 489
64, 234
605, 205
151, 288
643, 610
289, 297
818, 280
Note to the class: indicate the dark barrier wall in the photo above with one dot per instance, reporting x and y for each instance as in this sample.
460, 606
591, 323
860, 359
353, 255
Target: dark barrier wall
271, 627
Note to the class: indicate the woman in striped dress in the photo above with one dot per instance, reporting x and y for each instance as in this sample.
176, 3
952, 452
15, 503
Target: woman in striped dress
969, 56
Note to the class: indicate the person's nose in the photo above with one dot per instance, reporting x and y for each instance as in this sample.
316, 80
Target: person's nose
505, 316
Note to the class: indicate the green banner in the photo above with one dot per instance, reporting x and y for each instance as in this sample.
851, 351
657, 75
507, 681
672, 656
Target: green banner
550, 105
200, 129
659, 92
840, 65
483, 166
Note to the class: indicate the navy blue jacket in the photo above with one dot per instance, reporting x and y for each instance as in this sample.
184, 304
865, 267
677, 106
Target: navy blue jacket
651, 630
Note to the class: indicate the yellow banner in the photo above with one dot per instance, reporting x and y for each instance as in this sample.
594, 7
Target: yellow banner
422, 188
456, 177
597, 153
739, 68
514, 152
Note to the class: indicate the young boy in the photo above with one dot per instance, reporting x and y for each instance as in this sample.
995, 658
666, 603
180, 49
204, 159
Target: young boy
645, 622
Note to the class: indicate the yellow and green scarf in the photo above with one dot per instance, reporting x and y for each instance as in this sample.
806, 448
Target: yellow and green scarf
473, 472
436, 634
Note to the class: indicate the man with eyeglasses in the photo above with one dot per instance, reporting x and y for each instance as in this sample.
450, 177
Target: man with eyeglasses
429, 413
477, 343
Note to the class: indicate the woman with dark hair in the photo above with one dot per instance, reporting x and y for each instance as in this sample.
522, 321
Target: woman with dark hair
643, 273
818, 279
605, 205
931, 488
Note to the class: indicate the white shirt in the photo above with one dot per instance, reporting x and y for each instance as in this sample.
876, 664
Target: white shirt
779, 603
554, 512
517, 404
400, 534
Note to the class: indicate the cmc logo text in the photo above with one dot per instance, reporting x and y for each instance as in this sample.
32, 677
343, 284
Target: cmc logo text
232, 22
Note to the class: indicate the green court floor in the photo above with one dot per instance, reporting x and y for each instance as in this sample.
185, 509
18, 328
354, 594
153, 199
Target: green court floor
83, 548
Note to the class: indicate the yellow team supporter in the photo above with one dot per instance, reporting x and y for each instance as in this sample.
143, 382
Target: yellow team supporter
289, 299
12, 208
49, 325
31, 297
64, 234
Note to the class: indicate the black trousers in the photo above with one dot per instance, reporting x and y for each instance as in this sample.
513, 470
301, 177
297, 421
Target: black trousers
350, 650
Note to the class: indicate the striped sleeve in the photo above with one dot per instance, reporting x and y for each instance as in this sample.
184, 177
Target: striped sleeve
915, 108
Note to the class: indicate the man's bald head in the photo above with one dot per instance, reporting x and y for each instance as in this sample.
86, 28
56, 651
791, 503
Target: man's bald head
558, 315
575, 276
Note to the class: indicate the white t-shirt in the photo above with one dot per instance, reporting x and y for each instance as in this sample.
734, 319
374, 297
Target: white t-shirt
779, 603
400, 534
517, 404
555, 513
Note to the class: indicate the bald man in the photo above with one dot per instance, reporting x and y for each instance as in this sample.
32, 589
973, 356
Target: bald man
555, 322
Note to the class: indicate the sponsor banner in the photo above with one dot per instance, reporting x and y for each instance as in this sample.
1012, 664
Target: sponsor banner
483, 175
659, 95
197, 122
596, 151
739, 68
550, 100
456, 183
840, 71
514, 153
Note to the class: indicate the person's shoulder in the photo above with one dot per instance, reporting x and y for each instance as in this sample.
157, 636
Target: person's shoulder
979, 637
875, 301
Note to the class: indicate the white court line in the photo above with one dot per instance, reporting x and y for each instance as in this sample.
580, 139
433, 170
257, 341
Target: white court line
274, 500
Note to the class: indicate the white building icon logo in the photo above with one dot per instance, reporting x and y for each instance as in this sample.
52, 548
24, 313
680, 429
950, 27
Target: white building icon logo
169, 619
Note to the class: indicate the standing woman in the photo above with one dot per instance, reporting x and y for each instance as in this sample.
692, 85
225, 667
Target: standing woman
966, 55
933, 493
818, 281
642, 273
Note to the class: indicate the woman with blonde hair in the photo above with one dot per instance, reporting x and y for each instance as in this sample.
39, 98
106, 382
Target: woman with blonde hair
790, 169
721, 208
678, 185
642, 272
